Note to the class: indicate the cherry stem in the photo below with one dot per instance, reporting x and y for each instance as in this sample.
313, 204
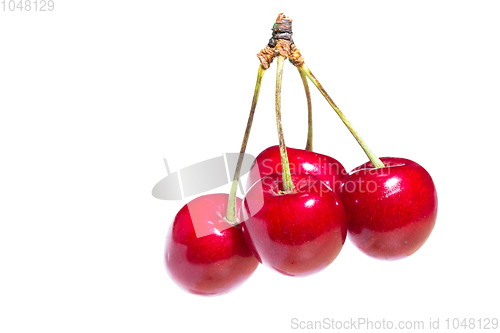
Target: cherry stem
377, 163
309, 144
287, 178
231, 214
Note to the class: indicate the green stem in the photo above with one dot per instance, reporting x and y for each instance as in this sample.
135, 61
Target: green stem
309, 144
231, 214
373, 158
287, 178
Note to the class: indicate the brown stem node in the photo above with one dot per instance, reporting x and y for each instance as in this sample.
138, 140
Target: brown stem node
295, 56
280, 44
266, 56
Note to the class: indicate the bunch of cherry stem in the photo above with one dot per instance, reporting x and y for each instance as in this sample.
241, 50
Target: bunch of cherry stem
266, 57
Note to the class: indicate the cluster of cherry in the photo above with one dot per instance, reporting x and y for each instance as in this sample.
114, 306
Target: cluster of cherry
297, 222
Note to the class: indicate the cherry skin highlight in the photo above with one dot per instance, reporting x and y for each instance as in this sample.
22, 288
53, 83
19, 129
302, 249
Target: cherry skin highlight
204, 254
391, 211
326, 168
297, 233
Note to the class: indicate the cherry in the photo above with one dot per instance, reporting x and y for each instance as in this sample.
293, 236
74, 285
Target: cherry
205, 254
293, 223
391, 204
326, 168
297, 233
391, 210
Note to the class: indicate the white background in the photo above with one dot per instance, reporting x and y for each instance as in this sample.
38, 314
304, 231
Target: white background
94, 94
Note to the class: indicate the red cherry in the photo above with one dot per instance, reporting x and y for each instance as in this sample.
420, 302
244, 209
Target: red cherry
326, 168
392, 210
297, 233
205, 254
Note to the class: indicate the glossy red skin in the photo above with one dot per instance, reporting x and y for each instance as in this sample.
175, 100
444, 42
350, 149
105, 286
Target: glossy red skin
299, 233
391, 211
213, 264
326, 168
